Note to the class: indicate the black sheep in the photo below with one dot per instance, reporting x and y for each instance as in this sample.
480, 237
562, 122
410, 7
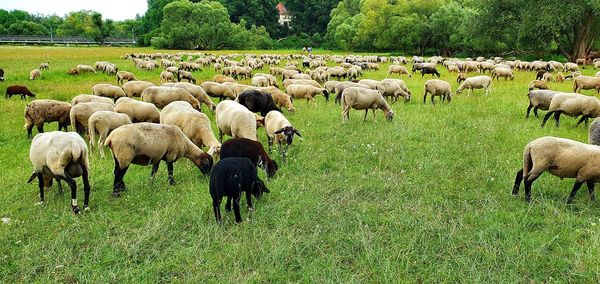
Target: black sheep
18, 90
230, 177
257, 101
540, 74
429, 70
1, 75
253, 150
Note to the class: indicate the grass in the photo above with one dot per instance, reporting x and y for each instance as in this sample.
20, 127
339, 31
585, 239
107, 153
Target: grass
425, 198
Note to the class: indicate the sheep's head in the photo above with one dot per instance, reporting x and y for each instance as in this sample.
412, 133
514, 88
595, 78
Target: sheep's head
260, 121
204, 162
258, 188
389, 115
326, 94
288, 132
269, 165
404, 95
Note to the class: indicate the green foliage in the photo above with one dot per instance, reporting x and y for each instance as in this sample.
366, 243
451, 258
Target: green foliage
254, 12
310, 16
22, 27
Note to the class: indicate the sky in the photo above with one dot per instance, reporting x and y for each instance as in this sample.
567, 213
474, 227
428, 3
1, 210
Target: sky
110, 9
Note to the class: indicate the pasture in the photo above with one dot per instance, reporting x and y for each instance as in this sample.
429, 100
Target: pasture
424, 198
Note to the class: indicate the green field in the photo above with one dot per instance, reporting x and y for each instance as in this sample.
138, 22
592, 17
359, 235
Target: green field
425, 198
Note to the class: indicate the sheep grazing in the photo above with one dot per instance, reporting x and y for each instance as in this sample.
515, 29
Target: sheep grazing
35, 74
222, 79
80, 114
197, 92
594, 132
236, 121
251, 149
340, 87
399, 82
230, 177
280, 130
538, 84
560, 77
477, 82
429, 69
162, 96
288, 82
547, 77
185, 75
361, 98
123, 76
39, 112
570, 66
195, 125
539, 99
104, 122
257, 101
586, 83
83, 98
573, 104
148, 144
260, 81
82, 68
217, 90
397, 69
503, 72
560, 157
61, 156
461, 77
540, 74
44, 66
330, 86
166, 76
73, 72
138, 111
280, 98
437, 87
308, 92
108, 91
135, 88
18, 90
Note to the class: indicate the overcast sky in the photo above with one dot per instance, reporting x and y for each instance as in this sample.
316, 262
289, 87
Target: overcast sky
110, 9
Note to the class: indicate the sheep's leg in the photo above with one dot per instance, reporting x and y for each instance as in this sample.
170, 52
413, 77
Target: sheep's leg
547, 117
518, 180
236, 208
576, 187
228, 204
220, 135
583, 118
60, 189
217, 209
41, 185
154, 170
528, 110
557, 117
535, 111
591, 190
86, 188
432, 100
533, 175
269, 142
281, 152
249, 200
119, 184
170, 172
425, 98
73, 185
366, 112
29, 131
40, 128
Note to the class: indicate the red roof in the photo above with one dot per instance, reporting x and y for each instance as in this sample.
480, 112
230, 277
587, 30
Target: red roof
282, 10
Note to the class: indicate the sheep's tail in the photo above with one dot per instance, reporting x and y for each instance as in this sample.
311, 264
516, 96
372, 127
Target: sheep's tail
92, 132
73, 121
28, 119
574, 86
527, 161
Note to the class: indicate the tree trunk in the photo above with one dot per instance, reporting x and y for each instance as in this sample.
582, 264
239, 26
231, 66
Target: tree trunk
583, 37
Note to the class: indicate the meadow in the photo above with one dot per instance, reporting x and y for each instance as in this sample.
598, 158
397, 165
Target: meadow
424, 198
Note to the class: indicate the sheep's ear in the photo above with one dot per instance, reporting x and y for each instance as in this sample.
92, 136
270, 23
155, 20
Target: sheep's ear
260, 121
211, 150
32, 177
279, 131
297, 132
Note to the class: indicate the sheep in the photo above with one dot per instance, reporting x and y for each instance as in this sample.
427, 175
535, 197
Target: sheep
44, 66
1, 75
573, 75
289, 74
147, 144
597, 73
166, 76
330, 86
302, 77
399, 82
195, 125
235, 120
560, 157
135, 88
39, 112
251, 149
560, 77
427, 69
280, 98
477, 82
541, 85
80, 114
122, 76
453, 69
230, 177
539, 99
503, 72
238, 88
83, 98
397, 69
257, 101
82, 68
172, 69
162, 96
340, 87
361, 98
198, 93
288, 82
185, 75
61, 156
540, 74
104, 122
73, 72
586, 83
308, 92
35, 74
271, 80
108, 91
437, 87
18, 90
222, 79
217, 67
573, 104
570, 66
138, 111
461, 77
279, 130
217, 90
394, 90
260, 81
594, 132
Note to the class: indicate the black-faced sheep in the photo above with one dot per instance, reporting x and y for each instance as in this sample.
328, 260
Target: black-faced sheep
573, 104
195, 125
437, 87
280, 130
477, 82
138, 111
253, 150
39, 112
361, 98
123, 76
236, 120
80, 114
539, 99
257, 101
162, 96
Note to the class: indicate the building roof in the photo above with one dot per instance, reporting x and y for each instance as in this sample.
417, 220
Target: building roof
282, 10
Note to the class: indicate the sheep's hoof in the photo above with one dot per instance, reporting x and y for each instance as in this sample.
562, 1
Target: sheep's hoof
75, 209
116, 194
172, 181
39, 203
86, 208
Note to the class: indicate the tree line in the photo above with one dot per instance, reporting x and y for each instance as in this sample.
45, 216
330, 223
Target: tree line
443, 27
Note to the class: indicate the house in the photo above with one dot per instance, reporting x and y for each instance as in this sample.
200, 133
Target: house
284, 16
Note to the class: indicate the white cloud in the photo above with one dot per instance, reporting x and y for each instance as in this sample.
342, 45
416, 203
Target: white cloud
110, 9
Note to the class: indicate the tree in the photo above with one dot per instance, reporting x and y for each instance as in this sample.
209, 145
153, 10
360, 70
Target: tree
27, 28
310, 16
77, 24
102, 28
254, 12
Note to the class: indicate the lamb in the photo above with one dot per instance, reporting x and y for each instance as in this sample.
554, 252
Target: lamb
281, 99
230, 177
560, 157
39, 112
573, 104
586, 83
279, 130
18, 90
198, 93
503, 72
361, 98
104, 122
560, 77
437, 87
222, 79
135, 88
260, 81
251, 149
195, 125
138, 111
73, 72
594, 132
162, 96
123, 76
539, 99
541, 85
340, 87
148, 144
185, 75
35, 74
477, 82
108, 91
166, 76
257, 101
308, 92
44, 66
397, 69
547, 77
235, 120
83, 98
217, 90
61, 156
82, 68
80, 114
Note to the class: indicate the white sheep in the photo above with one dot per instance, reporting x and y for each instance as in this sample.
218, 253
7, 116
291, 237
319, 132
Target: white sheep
573, 104
437, 87
260, 81
104, 122
217, 90
586, 83
135, 88
35, 74
397, 69
539, 99
308, 92
84, 98
123, 76
162, 96
280, 130
235, 120
503, 72
82, 68
138, 111
166, 76
195, 125
362, 98
108, 91
477, 82
280, 98
81, 112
